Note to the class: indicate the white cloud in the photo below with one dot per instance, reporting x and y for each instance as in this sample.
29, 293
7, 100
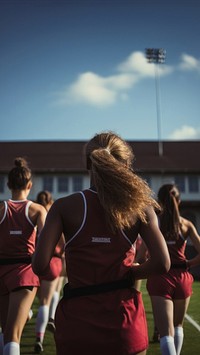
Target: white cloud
137, 63
96, 90
185, 133
121, 81
189, 63
91, 88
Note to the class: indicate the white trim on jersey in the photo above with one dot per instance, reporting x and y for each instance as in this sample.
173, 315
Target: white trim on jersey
5, 211
128, 240
83, 222
26, 213
17, 201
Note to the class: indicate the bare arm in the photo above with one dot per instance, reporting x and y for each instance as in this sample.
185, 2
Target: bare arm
41, 217
49, 237
142, 253
195, 238
37, 214
159, 260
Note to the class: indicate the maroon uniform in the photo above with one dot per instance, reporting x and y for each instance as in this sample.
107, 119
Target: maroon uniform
56, 263
177, 283
17, 244
54, 270
106, 323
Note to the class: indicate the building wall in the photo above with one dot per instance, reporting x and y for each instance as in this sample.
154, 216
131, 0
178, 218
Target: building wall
155, 181
39, 185
190, 206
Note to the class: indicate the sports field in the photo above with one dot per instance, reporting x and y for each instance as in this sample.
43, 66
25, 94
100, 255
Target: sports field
191, 328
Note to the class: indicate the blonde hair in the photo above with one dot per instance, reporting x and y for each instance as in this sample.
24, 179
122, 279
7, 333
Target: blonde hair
122, 193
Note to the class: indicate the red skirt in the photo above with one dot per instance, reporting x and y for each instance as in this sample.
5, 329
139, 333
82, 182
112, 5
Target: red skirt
16, 275
112, 323
54, 270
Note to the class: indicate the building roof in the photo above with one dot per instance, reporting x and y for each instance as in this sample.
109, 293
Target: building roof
67, 156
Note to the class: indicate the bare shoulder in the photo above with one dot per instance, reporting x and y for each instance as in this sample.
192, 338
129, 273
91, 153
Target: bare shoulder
187, 226
36, 208
150, 214
186, 222
70, 209
37, 213
71, 201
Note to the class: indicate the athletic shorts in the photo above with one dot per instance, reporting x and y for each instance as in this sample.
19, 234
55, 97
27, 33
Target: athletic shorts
55, 269
112, 323
176, 284
16, 275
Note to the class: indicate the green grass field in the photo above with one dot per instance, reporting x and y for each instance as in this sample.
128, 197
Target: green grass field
191, 334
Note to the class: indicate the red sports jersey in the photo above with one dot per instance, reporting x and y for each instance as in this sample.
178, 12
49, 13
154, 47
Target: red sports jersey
177, 282
17, 244
107, 323
177, 250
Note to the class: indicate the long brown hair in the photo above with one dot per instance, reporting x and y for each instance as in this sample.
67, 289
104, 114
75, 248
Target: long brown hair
169, 199
122, 193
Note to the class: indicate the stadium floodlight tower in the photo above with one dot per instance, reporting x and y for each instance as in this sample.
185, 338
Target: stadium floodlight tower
157, 56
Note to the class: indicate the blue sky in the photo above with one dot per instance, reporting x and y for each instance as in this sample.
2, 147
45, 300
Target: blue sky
70, 69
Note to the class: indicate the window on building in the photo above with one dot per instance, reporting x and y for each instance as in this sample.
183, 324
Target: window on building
77, 183
180, 182
1, 184
193, 183
48, 183
63, 184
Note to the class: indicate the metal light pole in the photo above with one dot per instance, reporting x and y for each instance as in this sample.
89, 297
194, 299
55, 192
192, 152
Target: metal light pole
157, 56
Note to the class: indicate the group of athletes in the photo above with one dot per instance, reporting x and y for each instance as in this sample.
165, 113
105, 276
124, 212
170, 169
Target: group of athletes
93, 235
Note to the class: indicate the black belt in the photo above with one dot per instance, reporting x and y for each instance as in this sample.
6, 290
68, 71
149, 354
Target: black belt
95, 289
11, 261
